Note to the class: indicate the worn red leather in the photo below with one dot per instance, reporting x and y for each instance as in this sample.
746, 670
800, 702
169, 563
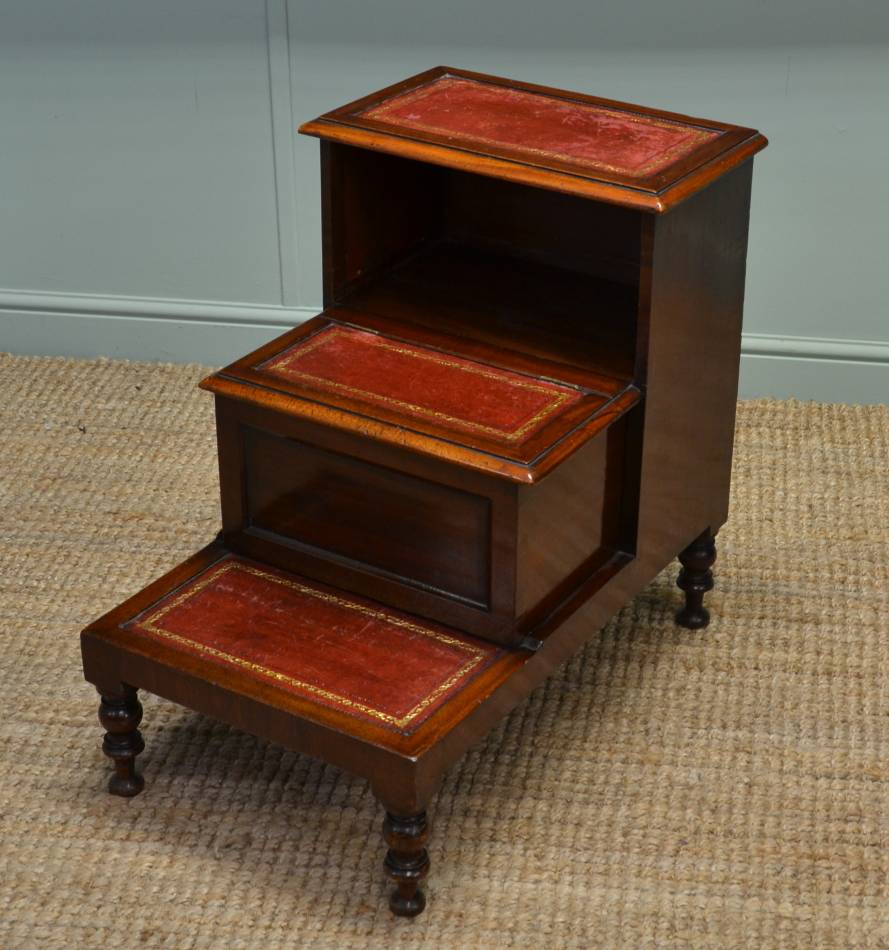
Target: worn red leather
537, 124
336, 649
423, 383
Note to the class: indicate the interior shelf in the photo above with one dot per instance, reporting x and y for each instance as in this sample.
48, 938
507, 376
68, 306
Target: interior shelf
502, 299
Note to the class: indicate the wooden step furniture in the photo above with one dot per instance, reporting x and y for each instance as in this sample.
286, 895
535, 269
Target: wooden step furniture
516, 408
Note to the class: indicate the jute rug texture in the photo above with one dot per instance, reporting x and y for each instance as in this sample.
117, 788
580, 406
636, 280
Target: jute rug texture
725, 788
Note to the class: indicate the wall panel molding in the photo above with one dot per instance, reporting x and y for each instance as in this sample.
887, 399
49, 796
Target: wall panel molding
817, 348
283, 131
151, 308
139, 328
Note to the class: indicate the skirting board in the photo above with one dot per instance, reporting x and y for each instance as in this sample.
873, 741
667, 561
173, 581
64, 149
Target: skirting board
211, 333
139, 328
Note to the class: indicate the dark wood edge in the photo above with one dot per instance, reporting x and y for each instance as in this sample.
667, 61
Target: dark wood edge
480, 164
371, 134
706, 174
587, 407
591, 402
576, 590
354, 444
572, 441
650, 184
325, 719
464, 159
561, 182
526, 464
477, 460
108, 633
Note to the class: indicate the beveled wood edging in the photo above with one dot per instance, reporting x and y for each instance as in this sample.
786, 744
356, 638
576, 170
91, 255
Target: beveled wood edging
434, 446
463, 160
113, 654
657, 194
538, 455
138, 656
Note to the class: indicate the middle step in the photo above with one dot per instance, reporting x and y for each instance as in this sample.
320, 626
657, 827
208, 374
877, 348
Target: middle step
477, 486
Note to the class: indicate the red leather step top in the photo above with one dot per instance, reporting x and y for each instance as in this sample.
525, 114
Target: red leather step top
420, 382
537, 124
341, 651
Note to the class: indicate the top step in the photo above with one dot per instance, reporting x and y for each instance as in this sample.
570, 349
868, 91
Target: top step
623, 154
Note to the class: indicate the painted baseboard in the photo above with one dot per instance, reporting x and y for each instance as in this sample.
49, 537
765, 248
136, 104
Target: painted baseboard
139, 328
214, 333
828, 370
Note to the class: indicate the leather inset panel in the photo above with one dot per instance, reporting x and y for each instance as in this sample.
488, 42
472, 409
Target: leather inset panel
540, 125
341, 651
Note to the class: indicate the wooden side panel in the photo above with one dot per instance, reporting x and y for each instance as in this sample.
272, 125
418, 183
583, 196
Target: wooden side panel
571, 522
560, 523
690, 329
375, 209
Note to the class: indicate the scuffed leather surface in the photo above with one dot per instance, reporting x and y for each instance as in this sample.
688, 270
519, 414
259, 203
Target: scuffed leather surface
336, 649
423, 383
602, 138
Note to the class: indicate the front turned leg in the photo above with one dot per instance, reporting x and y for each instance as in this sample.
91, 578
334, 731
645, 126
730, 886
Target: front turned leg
406, 862
696, 579
121, 715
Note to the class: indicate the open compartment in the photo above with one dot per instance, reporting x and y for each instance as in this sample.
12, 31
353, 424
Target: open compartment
544, 274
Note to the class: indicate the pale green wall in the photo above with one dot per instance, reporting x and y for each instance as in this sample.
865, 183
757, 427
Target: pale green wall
155, 204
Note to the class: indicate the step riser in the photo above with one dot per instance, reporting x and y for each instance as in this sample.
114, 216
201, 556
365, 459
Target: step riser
459, 547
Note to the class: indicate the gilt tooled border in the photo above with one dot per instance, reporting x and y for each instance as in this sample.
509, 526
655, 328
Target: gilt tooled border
150, 623
284, 363
663, 158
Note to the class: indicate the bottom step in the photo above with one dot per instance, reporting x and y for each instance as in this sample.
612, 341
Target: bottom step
384, 694
347, 661
344, 652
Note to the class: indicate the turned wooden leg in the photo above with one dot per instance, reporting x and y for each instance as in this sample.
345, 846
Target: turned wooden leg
121, 715
696, 579
407, 862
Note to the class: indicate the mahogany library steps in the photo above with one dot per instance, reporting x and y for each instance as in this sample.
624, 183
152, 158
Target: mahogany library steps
515, 409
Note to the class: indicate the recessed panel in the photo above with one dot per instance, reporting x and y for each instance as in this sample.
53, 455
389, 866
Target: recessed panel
419, 532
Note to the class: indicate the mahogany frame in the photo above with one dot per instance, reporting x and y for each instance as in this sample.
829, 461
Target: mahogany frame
689, 263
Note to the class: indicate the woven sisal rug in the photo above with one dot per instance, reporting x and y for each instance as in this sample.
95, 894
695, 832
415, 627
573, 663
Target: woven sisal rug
728, 788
